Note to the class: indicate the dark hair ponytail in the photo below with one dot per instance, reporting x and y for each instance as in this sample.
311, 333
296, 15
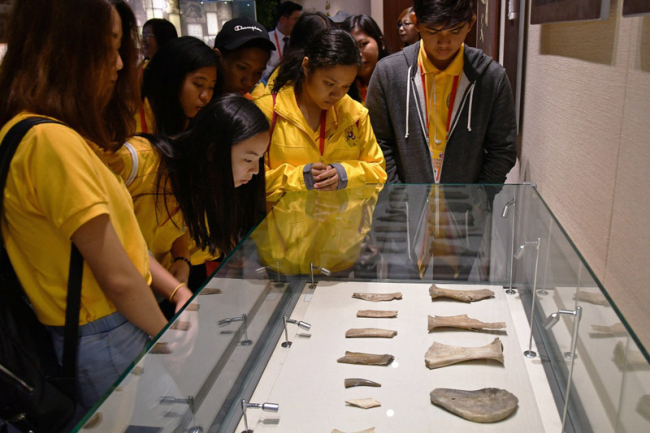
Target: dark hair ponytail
197, 165
328, 48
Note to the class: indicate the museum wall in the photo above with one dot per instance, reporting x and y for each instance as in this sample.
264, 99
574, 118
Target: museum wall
353, 7
586, 144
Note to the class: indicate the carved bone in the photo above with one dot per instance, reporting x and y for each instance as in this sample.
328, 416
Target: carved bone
365, 359
462, 322
370, 333
351, 383
441, 355
364, 403
377, 314
377, 297
370, 430
591, 298
483, 405
460, 295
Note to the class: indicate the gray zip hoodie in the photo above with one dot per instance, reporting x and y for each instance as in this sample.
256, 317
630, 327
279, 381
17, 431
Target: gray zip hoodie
481, 145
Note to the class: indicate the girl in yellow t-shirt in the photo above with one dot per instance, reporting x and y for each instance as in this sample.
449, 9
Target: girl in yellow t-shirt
204, 188
58, 191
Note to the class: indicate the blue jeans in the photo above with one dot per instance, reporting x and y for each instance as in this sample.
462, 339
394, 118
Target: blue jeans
107, 347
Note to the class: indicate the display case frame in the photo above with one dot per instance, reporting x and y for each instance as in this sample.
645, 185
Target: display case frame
406, 236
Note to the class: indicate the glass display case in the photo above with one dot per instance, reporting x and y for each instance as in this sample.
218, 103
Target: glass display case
263, 346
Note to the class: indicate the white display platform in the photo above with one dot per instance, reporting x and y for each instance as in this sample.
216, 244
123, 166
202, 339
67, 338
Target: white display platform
307, 382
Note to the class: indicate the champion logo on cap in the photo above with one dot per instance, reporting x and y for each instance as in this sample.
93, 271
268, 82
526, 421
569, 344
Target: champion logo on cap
239, 28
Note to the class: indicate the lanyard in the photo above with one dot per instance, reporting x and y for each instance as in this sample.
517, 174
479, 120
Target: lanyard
143, 119
323, 117
454, 89
277, 44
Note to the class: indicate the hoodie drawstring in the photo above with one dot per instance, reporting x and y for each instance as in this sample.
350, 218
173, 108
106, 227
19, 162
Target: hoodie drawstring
471, 99
408, 99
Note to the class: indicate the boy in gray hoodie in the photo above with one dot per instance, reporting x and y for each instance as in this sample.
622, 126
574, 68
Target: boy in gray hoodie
443, 112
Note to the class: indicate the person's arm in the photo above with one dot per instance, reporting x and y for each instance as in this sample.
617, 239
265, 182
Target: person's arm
376, 103
501, 136
180, 269
165, 284
116, 275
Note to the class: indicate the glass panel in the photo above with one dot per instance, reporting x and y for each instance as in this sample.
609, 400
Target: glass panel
308, 257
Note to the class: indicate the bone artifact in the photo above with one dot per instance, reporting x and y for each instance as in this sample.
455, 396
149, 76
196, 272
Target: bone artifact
351, 383
628, 358
370, 333
483, 405
370, 430
617, 328
160, 349
441, 355
365, 359
462, 322
643, 407
460, 295
364, 403
181, 325
591, 298
377, 314
209, 291
192, 307
377, 297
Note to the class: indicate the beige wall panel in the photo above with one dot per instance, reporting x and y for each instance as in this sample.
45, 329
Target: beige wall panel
628, 262
573, 114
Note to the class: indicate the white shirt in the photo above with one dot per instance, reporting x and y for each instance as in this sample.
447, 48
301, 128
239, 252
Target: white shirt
277, 38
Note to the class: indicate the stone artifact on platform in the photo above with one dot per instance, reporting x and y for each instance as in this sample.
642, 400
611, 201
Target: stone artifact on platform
377, 297
462, 322
460, 295
483, 405
365, 359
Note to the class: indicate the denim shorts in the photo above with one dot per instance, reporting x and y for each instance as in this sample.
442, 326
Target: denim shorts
107, 347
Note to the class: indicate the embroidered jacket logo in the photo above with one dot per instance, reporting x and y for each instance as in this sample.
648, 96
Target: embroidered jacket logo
254, 28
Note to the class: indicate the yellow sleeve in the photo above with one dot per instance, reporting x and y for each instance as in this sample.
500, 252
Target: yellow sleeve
286, 176
371, 166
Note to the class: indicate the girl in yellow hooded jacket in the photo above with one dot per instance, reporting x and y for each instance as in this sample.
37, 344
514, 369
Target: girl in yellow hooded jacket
320, 138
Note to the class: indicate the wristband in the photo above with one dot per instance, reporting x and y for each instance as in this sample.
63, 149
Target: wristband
174, 292
183, 259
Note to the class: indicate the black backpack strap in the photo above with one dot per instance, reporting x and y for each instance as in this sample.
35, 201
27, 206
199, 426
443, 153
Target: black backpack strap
73, 301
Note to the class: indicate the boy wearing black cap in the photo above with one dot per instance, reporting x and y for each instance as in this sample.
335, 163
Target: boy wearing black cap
244, 48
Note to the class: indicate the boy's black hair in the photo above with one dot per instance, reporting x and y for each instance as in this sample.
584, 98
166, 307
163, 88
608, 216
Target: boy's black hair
446, 14
285, 9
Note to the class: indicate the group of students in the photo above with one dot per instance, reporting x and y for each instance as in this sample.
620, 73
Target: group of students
214, 145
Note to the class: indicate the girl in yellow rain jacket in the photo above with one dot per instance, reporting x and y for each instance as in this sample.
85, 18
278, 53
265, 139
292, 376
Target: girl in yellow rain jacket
320, 138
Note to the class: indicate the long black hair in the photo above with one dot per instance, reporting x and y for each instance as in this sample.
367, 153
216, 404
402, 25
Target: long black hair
196, 168
163, 78
328, 48
367, 25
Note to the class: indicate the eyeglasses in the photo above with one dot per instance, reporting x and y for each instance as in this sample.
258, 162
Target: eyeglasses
406, 24
147, 36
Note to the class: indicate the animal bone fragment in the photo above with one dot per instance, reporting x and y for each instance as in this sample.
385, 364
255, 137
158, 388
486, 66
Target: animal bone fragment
364, 403
460, 295
441, 355
617, 328
209, 291
377, 314
369, 430
378, 297
643, 407
629, 358
462, 322
483, 405
351, 383
370, 333
365, 359
591, 298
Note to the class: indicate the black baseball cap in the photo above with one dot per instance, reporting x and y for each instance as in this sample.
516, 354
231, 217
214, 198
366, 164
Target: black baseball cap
241, 30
